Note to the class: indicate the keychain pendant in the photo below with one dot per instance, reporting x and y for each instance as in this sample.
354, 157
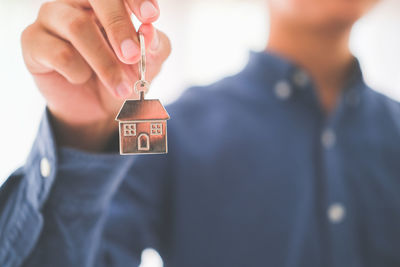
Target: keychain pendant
143, 122
142, 127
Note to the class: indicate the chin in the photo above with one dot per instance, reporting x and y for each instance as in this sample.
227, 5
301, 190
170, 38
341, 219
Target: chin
337, 14
348, 11
322, 13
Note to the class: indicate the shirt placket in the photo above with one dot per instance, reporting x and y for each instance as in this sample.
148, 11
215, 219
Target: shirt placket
336, 203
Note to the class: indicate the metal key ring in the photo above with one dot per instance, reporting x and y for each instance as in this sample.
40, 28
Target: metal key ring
144, 87
142, 62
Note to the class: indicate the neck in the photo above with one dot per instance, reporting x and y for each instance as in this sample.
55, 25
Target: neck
324, 53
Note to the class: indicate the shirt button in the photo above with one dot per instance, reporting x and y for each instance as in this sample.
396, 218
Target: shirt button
328, 138
283, 90
45, 167
300, 78
336, 213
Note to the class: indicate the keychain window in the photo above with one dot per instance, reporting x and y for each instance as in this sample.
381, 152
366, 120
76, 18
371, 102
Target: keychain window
129, 129
156, 129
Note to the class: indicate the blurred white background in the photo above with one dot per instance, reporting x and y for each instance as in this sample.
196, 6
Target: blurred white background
210, 39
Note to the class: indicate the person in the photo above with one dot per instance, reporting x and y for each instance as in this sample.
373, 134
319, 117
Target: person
291, 162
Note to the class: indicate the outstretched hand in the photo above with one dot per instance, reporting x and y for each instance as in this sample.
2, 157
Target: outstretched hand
83, 55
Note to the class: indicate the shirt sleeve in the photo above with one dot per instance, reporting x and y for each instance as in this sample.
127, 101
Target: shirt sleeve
70, 208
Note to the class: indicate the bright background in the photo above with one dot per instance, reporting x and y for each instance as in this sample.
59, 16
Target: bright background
199, 56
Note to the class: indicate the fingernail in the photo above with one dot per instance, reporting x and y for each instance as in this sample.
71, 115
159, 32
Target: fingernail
129, 49
156, 42
148, 10
123, 91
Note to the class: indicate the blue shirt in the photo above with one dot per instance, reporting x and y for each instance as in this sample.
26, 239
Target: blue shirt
256, 175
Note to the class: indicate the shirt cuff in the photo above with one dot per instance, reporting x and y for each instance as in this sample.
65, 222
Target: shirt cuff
68, 181
26, 191
41, 165
79, 181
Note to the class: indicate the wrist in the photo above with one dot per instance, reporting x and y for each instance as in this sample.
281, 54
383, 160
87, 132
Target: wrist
93, 136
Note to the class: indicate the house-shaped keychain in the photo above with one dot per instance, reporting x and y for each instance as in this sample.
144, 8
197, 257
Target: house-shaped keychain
142, 127
143, 122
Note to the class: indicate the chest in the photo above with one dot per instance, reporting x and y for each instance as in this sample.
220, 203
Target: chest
306, 194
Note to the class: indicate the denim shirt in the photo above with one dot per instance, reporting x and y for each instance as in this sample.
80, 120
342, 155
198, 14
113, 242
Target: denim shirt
256, 175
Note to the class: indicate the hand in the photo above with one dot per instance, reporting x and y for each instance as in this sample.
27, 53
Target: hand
83, 55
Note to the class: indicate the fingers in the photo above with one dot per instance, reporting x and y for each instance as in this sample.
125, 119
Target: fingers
114, 16
71, 43
50, 53
78, 27
118, 26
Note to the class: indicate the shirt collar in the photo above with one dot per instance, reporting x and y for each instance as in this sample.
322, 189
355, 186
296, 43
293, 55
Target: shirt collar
286, 79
